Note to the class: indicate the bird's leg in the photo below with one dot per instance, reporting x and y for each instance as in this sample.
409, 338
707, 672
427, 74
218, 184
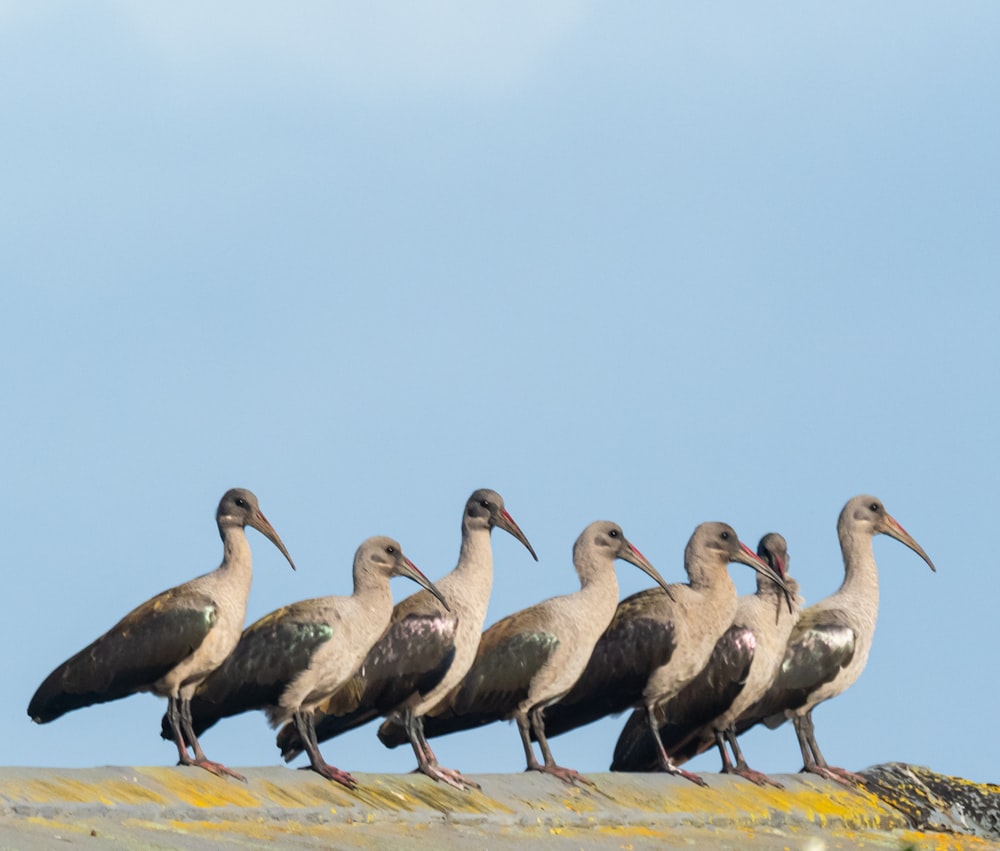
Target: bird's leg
566, 774
185, 731
306, 725
742, 768
720, 743
524, 729
666, 764
174, 719
426, 761
813, 761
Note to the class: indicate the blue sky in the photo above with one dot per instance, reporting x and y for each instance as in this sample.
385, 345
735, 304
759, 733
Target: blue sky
658, 265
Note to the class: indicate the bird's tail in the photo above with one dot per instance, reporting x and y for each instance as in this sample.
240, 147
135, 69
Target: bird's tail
635, 749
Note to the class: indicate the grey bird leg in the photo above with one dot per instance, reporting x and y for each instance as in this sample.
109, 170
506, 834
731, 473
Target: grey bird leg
666, 764
306, 727
813, 761
179, 715
524, 728
568, 775
741, 768
426, 761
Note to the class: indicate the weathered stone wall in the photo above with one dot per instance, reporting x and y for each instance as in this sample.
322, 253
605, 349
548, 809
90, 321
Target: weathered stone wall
905, 807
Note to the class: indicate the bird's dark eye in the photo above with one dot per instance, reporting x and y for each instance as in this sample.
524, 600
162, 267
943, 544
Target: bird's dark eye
874, 506
241, 502
390, 550
485, 503
724, 536
613, 533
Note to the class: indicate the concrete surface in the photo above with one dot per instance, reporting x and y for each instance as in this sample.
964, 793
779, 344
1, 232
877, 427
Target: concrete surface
165, 808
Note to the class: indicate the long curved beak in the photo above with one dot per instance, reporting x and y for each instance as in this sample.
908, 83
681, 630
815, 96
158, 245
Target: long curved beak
408, 569
894, 530
261, 524
632, 555
748, 557
506, 522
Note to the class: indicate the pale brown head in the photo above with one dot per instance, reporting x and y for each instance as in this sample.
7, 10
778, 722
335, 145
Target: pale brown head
383, 556
866, 515
485, 509
607, 537
238, 507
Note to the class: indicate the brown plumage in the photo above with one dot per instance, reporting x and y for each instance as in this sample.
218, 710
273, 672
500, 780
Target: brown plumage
741, 668
527, 661
656, 645
426, 650
829, 646
170, 643
291, 660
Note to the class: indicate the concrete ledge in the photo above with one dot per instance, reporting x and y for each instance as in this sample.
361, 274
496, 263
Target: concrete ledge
188, 808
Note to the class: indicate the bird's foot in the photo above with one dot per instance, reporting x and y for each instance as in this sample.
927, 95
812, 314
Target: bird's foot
755, 777
448, 775
687, 775
838, 775
567, 775
332, 773
216, 768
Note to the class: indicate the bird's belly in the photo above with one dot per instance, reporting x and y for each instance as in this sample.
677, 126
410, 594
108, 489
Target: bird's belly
687, 662
212, 652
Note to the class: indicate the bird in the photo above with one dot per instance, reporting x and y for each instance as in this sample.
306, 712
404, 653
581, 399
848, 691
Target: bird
528, 660
829, 646
426, 650
742, 666
290, 660
172, 642
657, 643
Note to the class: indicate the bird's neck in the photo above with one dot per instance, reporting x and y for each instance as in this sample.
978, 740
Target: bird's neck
860, 571
473, 575
373, 594
599, 586
476, 553
711, 579
236, 556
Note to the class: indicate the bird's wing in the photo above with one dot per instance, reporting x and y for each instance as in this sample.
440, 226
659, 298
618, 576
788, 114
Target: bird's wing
510, 653
130, 657
270, 653
410, 658
686, 718
821, 645
636, 643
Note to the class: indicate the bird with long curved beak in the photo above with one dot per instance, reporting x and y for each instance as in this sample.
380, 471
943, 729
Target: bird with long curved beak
742, 667
829, 646
293, 659
529, 660
172, 642
656, 644
426, 650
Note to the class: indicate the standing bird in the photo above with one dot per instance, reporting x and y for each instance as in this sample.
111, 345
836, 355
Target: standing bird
829, 645
741, 668
657, 643
172, 642
426, 651
291, 660
529, 660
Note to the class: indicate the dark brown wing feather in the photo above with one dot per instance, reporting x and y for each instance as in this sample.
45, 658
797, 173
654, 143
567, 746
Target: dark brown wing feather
639, 640
510, 653
130, 657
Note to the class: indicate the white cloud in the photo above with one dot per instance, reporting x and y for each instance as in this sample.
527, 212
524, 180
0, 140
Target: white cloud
440, 47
